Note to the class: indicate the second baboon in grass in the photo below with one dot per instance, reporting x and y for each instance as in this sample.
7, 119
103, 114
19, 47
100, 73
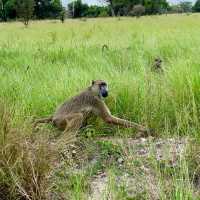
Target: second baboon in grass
157, 65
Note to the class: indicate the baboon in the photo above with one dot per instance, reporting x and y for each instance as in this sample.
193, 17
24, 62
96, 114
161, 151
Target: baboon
72, 113
105, 47
157, 66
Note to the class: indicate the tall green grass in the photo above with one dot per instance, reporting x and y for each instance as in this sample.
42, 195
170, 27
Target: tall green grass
48, 62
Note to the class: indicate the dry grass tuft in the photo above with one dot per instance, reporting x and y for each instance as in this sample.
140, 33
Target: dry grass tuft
25, 161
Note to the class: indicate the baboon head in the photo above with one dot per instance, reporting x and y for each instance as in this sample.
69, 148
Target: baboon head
158, 62
100, 87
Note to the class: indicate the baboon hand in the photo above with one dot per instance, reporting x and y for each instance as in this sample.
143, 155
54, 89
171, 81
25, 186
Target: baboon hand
145, 132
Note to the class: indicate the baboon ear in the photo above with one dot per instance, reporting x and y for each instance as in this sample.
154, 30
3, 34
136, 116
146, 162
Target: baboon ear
93, 82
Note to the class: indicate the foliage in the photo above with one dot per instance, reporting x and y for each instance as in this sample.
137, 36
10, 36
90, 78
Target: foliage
42, 8
96, 11
197, 6
158, 6
112, 6
138, 10
176, 9
182, 7
25, 10
117, 7
3, 10
107, 149
10, 8
47, 8
124, 7
77, 9
186, 6
62, 15
53, 8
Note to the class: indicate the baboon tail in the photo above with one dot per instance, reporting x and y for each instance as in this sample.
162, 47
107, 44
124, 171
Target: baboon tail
43, 120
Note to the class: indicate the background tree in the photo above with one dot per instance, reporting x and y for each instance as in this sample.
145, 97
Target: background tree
96, 11
47, 8
138, 10
196, 7
111, 5
155, 6
77, 9
176, 9
55, 7
25, 10
3, 10
62, 15
10, 9
186, 6
124, 7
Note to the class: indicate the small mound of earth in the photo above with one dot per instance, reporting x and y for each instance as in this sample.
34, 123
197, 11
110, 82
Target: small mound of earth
169, 150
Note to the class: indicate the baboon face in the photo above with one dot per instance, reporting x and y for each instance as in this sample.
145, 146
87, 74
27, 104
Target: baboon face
158, 60
101, 87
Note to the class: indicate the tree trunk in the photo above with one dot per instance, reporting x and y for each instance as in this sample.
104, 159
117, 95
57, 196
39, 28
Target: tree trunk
112, 7
3, 11
112, 11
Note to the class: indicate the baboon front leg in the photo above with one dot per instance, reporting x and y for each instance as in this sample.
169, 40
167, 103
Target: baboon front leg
104, 112
125, 123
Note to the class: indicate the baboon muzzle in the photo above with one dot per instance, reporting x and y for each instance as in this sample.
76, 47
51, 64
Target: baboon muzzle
104, 93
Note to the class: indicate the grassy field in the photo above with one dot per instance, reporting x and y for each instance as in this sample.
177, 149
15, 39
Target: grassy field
44, 64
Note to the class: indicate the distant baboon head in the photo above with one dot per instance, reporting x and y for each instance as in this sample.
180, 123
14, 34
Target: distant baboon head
158, 62
157, 65
100, 88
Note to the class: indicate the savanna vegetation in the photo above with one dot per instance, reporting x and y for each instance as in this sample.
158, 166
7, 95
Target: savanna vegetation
48, 62
53, 9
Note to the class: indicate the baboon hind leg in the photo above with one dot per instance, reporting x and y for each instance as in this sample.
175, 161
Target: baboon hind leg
73, 124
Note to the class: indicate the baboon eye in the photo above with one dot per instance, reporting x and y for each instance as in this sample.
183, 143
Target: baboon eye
103, 84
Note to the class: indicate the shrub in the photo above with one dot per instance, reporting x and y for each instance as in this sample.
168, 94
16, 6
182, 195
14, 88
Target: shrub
138, 10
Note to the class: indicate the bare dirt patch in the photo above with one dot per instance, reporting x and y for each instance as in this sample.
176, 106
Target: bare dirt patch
141, 179
169, 150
